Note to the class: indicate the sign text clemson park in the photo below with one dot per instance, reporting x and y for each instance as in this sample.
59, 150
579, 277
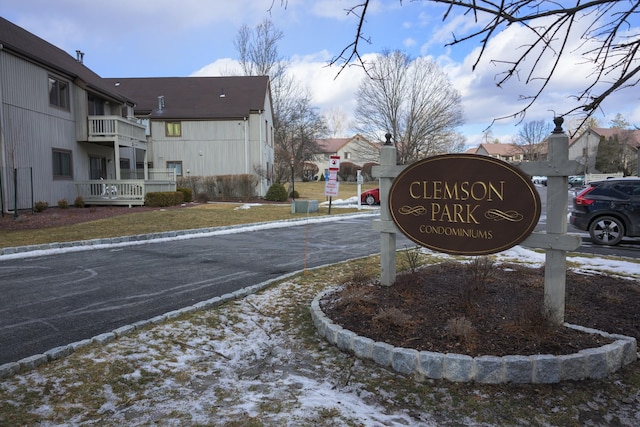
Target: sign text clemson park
464, 204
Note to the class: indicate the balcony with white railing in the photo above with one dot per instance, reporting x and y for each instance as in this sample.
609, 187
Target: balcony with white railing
127, 192
115, 128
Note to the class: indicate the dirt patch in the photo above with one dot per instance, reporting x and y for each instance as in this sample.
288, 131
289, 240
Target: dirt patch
55, 217
455, 308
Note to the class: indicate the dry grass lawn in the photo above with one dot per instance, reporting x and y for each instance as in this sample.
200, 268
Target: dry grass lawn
66, 225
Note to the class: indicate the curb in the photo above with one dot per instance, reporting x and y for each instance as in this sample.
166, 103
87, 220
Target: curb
31, 362
593, 363
36, 360
36, 250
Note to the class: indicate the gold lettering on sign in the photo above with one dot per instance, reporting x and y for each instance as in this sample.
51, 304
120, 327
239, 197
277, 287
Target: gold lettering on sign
458, 232
458, 191
455, 212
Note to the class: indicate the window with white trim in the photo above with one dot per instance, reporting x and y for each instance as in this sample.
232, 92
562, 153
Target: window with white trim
58, 93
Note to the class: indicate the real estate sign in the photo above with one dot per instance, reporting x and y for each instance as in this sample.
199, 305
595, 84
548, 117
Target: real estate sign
464, 204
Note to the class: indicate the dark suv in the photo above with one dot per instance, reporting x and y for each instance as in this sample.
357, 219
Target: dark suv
609, 210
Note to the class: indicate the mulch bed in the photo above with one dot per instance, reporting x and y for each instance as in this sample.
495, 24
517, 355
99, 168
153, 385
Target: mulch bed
455, 308
55, 217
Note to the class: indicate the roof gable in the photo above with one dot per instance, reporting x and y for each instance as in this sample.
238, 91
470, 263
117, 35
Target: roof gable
500, 149
195, 97
631, 137
333, 145
29, 46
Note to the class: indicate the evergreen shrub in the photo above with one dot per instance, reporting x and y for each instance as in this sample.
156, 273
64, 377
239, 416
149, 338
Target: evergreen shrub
187, 192
164, 198
276, 193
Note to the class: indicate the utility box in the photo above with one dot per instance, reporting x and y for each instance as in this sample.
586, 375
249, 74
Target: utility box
304, 206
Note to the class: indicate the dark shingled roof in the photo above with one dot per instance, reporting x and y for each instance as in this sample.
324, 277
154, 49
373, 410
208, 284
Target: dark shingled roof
32, 48
195, 98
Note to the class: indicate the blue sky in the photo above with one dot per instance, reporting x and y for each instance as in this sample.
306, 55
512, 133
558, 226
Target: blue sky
148, 38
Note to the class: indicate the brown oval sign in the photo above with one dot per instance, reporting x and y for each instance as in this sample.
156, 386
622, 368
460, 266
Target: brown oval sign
464, 204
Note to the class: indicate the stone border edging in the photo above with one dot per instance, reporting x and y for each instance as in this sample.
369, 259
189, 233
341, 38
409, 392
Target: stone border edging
592, 363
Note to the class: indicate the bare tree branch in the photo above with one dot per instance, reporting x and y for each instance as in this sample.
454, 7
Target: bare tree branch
614, 55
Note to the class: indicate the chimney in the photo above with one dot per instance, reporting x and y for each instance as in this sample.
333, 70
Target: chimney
79, 56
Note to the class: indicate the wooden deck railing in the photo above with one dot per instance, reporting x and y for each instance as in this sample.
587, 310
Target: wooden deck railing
129, 192
111, 128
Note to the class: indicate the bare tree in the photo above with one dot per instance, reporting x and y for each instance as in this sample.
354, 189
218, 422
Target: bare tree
530, 139
600, 26
258, 50
296, 124
337, 122
620, 122
411, 99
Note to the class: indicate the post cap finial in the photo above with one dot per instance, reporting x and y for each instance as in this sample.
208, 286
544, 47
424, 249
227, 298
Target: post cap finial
558, 121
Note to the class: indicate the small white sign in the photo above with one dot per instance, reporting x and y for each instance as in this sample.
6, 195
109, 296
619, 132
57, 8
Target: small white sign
334, 162
331, 188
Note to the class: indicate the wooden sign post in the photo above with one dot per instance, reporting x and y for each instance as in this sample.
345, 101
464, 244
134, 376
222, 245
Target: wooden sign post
555, 241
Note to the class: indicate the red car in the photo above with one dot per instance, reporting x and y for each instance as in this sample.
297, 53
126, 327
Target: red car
370, 197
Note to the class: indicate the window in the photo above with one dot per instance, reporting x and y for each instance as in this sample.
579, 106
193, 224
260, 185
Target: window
125, 164
347, 155
175, 165
173, 129
58, 93
62, 164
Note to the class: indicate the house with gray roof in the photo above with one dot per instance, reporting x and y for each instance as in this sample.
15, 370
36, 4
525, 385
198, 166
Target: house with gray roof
67, 132
206, 126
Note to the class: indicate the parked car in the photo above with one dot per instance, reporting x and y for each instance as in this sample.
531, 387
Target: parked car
539, 180
609, 210
576, 181
370, 197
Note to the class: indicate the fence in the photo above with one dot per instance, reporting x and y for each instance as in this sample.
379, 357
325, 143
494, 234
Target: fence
17, 192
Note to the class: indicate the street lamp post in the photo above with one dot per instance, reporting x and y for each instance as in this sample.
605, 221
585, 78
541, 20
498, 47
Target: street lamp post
293, 180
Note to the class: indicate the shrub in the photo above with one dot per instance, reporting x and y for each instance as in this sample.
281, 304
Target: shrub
187, 193
63, 204
78, 202
224, 184
294, 194
246, 186
367, 171
276, 193
348, 171
412, 257
202, 197
40, 206
209, 187
164, 198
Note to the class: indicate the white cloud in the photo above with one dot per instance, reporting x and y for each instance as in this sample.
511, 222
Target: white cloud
409, 42
220, 67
